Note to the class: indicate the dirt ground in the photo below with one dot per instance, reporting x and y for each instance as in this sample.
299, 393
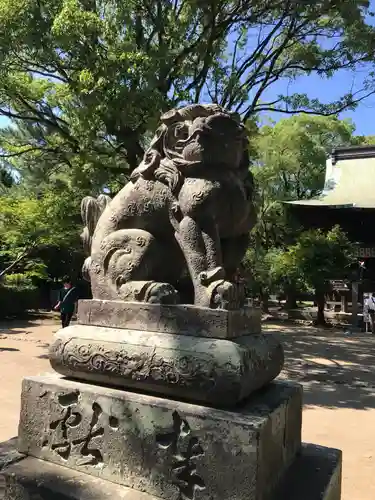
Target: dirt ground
337, 372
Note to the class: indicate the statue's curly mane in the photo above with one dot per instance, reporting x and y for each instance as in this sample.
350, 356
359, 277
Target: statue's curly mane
163, 160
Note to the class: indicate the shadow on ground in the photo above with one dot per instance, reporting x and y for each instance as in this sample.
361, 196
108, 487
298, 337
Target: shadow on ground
45, 355
336, 370
25, 325
4, 332
17, 327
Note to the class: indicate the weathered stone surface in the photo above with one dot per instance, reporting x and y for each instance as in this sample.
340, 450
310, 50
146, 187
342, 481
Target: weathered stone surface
168, 449
180, 319
33, 479
9, 453
314, 475
214, 371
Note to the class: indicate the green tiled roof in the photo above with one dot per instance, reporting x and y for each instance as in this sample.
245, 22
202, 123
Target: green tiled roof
353, 187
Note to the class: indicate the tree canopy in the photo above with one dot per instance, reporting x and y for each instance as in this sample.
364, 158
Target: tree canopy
313, 260
29, 224
289, 164
84, 82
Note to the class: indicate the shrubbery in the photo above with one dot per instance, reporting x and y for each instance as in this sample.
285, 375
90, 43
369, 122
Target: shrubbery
15, 300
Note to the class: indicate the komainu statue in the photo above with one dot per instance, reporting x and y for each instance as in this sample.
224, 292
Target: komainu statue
177, 232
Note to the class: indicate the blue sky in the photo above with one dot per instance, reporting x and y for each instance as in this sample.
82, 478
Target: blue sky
331, 90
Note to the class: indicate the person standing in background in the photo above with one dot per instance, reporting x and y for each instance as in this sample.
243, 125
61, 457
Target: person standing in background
67, 300
369, 311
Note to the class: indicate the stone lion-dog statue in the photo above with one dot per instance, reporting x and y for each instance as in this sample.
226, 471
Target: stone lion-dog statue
178, 230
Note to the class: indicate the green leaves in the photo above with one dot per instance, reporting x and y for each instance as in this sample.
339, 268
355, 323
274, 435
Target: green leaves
307, 264
292, 154
264, 270
289, 164
29, 224
91, 78
317, 257
76, 24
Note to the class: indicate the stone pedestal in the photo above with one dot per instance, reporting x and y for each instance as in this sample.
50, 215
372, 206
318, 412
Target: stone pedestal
175, 319
165, 448
206, 422
214, 371
314, 475
201, 355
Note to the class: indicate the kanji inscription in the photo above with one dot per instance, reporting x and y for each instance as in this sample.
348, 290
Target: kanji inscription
185, 449
74, 431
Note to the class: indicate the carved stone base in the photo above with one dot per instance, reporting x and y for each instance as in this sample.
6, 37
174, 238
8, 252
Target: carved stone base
33, 479
180, 319
168, 449
314, 475
214, 371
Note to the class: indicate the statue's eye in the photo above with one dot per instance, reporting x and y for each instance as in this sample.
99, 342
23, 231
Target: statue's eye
181, 131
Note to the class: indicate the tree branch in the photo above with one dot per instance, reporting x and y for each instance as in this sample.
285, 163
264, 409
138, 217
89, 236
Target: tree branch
36, 114
19, 153
335, 111
20, 257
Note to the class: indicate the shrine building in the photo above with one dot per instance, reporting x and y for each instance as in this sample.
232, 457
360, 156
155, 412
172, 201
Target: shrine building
347, 199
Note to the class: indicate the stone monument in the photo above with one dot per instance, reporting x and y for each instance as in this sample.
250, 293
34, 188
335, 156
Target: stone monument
165, 386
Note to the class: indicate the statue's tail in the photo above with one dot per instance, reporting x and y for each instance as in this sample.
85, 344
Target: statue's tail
91, 210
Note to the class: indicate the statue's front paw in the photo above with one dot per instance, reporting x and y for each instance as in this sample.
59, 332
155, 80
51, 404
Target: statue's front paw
208, 277
161, 293
226, 295
149, 291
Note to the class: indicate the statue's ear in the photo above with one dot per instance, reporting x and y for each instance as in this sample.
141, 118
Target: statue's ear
151, 158
171, 117
140, 171
148, 165
157, 141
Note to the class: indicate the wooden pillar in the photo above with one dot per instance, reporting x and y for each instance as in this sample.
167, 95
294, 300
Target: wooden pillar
344, 303
355, 287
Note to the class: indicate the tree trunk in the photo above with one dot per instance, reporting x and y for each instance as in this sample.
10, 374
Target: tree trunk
128, 142
131, 142
264, 297
320, 300
134, 153
291, 297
